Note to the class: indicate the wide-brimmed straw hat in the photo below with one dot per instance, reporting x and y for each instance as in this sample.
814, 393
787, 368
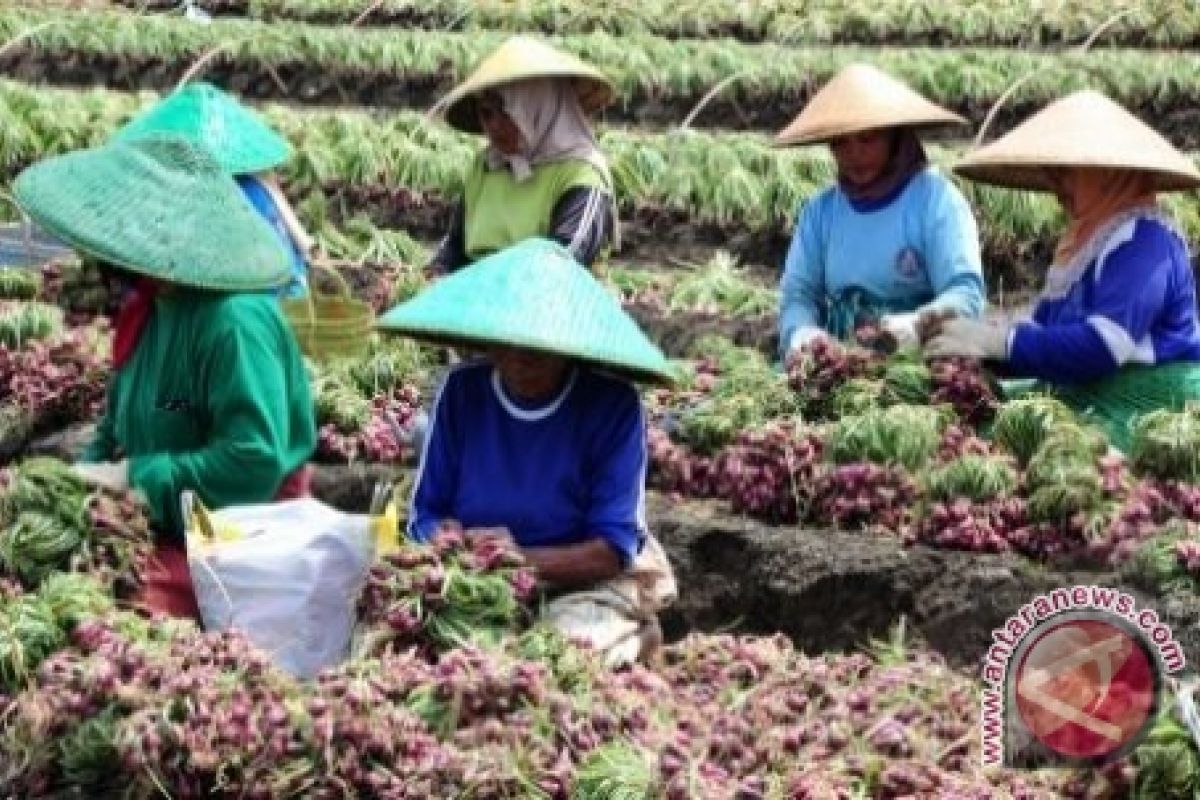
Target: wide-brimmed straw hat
535, 296
862, 98
1084, 129
159, 206
518, 59
241, 141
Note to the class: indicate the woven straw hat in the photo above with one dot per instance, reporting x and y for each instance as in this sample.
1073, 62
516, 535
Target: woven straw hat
159, 206
1084, 129
522, 58
532, 295
237, 136
862, 98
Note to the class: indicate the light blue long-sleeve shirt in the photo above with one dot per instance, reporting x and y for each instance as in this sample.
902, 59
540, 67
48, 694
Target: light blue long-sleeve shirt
917, 250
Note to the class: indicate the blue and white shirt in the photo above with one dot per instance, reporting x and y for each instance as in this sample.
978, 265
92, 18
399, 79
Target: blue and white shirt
1128, 297
571, 469
919, 247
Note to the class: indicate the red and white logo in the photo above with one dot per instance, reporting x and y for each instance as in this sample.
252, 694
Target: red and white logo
1085, 687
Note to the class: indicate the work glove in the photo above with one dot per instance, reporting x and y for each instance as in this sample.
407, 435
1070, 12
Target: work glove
902, 328
105, 474
969, 338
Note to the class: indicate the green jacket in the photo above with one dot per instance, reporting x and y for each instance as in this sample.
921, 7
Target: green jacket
214, 398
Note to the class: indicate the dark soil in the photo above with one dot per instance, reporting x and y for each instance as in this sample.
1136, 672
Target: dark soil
830, 590
1176, 117
675, 332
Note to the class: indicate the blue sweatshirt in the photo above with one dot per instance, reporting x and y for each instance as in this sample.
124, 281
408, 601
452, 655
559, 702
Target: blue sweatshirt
567, 471
264, 204
1128, 298
918, 249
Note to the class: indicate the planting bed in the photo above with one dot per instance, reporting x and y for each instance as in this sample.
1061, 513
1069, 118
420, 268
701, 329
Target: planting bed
660, 80
846, 530
1017, 22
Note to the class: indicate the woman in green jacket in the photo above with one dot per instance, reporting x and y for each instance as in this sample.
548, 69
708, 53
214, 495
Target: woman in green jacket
209, 391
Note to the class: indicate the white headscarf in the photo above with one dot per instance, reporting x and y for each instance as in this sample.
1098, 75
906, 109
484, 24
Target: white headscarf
552, 124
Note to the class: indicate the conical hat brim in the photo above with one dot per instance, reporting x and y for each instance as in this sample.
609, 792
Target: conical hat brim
241, 141
159, 206
534, 296
862, 98
1084, 129
523, 58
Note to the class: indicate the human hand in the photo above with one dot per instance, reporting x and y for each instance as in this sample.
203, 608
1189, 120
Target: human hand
901, 329
804, 337
498, 534
929, 323
969, 338
112, 475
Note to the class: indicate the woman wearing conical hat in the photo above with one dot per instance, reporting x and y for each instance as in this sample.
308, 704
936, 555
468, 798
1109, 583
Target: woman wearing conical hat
1114, 331
541, 444
892, 238
209, 390
541, 172
247, 147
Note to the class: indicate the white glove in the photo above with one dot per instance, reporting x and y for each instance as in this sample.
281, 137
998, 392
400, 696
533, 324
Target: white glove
106, 474
901, 327
969, 338
804, 336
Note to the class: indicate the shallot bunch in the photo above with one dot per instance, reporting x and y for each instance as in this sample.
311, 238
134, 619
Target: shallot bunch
963, 384
769, 473
865, 495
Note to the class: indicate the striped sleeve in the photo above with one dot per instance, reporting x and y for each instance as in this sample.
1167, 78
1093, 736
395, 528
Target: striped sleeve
582, 221
1128, 291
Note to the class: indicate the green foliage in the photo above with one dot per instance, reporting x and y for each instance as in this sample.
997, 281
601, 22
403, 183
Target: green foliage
976, 478
903, 435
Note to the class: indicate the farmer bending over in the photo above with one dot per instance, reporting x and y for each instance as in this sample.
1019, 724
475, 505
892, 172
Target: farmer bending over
539, 444
247, 148
209, 391
1114, 332
541, 173
892, 238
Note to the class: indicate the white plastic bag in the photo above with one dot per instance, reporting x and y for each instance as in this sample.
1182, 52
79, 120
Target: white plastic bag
289, 581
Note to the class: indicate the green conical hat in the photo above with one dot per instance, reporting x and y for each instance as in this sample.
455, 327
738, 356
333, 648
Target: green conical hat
159, 206
239, 138
531, 295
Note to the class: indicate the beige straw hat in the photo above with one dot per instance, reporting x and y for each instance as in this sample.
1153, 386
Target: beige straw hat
1084, 129
522, 58
862, 98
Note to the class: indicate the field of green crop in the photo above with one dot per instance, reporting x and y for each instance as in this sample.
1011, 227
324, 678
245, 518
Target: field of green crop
851, 499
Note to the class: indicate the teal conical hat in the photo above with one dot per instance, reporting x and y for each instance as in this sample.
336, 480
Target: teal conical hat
237, 136
531, 295
160, 206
